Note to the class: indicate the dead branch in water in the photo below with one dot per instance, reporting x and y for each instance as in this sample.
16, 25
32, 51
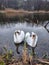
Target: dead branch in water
46, 26
42, 61
47, 30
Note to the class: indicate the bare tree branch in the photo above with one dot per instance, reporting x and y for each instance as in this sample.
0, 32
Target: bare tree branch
42, 61
46, 24
46, 27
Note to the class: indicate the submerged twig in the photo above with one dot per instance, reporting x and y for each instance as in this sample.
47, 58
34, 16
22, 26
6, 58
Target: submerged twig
42, 61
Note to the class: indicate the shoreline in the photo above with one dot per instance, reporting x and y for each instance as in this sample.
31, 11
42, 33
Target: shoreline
8, 15
23, 11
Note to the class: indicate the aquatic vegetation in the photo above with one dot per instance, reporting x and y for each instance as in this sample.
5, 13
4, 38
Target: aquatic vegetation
45, 55
7, 55
2, 63
25, 56
27, 59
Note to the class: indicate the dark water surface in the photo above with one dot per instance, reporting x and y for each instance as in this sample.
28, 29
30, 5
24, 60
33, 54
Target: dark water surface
7, 31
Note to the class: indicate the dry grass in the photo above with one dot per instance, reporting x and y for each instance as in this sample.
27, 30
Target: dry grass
25, 56
11, 12
0, 58
24, 60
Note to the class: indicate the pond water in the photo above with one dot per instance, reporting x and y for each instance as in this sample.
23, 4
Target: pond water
7, 31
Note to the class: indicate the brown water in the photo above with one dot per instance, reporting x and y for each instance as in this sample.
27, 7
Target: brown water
7, 31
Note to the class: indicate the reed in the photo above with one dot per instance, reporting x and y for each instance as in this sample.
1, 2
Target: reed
25, 55
7, 59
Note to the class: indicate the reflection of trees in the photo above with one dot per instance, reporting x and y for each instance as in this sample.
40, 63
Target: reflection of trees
40, 19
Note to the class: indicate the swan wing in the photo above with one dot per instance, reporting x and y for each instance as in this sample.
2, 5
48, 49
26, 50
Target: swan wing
15, 39
18, 38
29, 41
35, 41
22, 35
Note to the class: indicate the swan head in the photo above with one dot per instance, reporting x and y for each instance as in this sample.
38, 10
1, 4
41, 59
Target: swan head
22, 31
27, 34
17, 32
33, 35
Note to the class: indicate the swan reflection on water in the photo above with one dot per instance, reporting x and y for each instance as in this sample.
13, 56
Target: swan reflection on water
31, 40
18, 38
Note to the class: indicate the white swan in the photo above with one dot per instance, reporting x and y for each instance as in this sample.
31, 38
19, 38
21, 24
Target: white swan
18, 38
31, 40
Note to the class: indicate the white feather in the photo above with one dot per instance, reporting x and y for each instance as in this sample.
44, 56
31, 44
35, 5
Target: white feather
31, 41
18, 38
